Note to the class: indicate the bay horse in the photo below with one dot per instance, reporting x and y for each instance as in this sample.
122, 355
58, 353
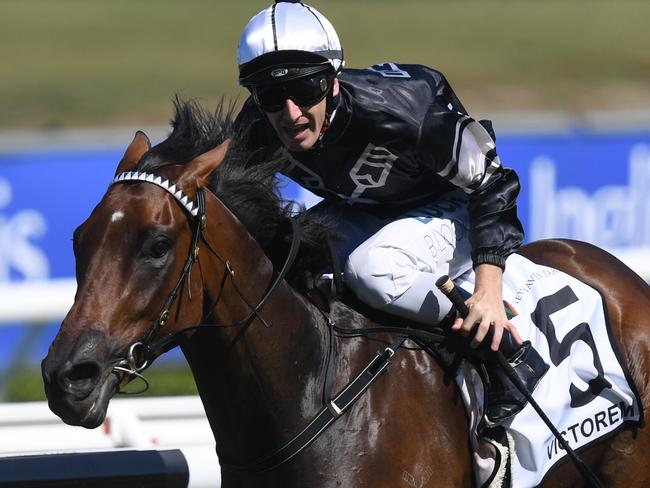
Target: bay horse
146, 269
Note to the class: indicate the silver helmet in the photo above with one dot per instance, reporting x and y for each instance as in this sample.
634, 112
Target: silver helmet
285, 41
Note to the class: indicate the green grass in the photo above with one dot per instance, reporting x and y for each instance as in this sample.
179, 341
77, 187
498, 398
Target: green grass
164, 380
84, 62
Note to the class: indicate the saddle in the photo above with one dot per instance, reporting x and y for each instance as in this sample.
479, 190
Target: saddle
503, 400
512, 447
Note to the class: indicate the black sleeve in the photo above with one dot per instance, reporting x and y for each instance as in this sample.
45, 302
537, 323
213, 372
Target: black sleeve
496, 231
461, 150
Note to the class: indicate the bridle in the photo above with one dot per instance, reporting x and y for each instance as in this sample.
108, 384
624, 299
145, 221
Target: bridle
334, 406
147, 347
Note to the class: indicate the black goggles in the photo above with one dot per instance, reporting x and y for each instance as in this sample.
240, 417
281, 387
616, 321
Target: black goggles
304, 92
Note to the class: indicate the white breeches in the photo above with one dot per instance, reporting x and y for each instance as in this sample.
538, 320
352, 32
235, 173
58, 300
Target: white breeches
393, 264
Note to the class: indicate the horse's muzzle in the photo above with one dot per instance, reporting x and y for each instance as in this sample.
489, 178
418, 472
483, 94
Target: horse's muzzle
78, 386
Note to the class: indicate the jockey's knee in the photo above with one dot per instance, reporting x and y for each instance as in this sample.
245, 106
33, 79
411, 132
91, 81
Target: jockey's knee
380, 275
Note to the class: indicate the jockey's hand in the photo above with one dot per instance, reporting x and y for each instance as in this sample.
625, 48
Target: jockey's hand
486, 311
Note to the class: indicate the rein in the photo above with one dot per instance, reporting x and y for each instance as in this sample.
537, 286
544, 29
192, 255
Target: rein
332, 408
146, 348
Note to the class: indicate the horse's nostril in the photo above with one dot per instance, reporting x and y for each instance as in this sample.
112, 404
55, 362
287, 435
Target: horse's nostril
79, 379
83, 371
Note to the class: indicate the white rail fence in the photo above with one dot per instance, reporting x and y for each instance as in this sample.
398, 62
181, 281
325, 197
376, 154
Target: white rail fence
36, 301
164, 424
155, 435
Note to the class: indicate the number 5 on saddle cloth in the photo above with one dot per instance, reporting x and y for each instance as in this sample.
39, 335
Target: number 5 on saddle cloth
585, 390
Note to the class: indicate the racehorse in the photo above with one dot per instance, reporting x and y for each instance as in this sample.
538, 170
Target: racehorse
206, 240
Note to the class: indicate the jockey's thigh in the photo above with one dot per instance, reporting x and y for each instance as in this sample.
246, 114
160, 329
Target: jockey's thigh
353, 224
396, 268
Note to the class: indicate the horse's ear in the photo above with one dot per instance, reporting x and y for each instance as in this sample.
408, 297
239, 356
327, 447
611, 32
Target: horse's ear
139, 145
202, 166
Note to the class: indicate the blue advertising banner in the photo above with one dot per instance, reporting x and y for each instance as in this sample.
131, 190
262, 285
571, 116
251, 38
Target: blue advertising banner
44, 196
591, 187
580, 185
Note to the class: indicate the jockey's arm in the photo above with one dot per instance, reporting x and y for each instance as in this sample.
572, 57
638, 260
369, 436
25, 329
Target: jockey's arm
464, 153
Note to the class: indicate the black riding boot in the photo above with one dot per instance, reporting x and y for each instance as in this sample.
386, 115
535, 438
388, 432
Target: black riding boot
504, 400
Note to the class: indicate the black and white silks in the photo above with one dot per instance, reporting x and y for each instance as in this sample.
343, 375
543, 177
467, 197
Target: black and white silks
401, 139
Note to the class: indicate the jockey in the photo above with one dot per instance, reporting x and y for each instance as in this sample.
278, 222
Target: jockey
414, 183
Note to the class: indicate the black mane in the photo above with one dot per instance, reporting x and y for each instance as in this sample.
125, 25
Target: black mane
246, 184
194, 131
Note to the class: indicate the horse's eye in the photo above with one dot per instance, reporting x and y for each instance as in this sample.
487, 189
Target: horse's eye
160, 248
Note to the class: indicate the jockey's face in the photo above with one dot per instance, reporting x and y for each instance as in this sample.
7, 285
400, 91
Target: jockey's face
299, 127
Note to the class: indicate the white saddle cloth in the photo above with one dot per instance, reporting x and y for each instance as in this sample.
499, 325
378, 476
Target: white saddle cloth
565, 321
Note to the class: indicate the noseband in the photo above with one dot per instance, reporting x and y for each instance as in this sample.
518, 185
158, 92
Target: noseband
146, 348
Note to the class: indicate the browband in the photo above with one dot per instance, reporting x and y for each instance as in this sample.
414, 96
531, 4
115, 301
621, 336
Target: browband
166, 185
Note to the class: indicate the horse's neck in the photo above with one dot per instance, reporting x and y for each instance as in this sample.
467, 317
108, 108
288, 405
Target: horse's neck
269, 382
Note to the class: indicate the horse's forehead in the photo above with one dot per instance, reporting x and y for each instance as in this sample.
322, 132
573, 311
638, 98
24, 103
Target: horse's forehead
123, 200
135, 203
124, 196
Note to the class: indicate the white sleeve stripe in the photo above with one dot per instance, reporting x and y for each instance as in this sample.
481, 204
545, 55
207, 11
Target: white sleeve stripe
486, 178
470, 172
458, 137
473, 158
476, 155
460, 126
489, 171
